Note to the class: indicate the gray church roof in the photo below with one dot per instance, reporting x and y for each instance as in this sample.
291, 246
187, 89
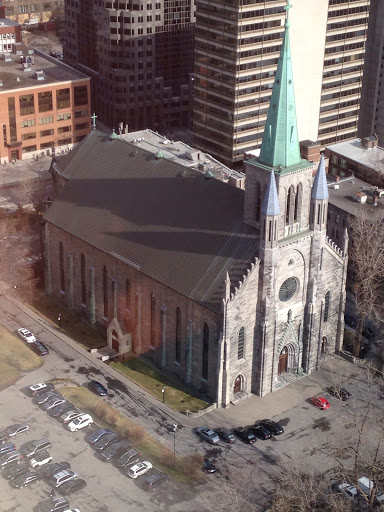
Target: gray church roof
320, 187
174, 224
270, 204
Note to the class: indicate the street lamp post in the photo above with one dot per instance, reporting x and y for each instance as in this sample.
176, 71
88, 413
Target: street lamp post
163, 391
174, 443
59, 320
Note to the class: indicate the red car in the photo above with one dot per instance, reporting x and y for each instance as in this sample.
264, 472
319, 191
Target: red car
320, 402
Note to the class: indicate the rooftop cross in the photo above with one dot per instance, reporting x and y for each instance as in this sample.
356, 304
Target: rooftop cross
94, 117
287, 8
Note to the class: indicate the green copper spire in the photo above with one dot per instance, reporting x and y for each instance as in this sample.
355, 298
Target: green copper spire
280, 144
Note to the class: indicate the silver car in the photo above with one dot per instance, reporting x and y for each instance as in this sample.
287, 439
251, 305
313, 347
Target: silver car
70, 415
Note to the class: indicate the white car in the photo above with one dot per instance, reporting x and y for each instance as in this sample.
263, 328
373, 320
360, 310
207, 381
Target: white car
40, 459
139, 469
70, 415
346, 489
26, 335
80, 422
72, 510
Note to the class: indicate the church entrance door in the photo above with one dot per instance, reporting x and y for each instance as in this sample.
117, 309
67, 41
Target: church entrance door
238, 387
283, 361
115, 342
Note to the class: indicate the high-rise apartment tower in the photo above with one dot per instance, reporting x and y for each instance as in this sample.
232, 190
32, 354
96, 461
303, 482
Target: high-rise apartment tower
237, 49
139, 54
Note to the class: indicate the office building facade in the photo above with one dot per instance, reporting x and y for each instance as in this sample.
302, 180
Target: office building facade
237, 48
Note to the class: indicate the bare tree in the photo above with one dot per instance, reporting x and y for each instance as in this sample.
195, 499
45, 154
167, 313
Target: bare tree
366, 257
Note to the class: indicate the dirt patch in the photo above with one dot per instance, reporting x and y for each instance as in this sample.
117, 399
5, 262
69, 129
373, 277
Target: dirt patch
323, 424
284, 422
116, 385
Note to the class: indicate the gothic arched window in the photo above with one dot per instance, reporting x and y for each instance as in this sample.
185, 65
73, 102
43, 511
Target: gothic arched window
240, 344
257, 201
288, 206
298, 200
105, 291
205, 351
178, 336
83, 280
153, 320
62, 271
326, 306
128, 299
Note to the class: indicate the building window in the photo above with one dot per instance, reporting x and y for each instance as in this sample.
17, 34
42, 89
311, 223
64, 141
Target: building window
128, 291
298, 199
27, 123
62, 272
240, 344
63, 98
257, 201
205, 351
288, 205
46, 133
45, 101
30, 135
326, 306
153, 320
27, 104
63, 117
64, 129
28, 149
46, 120
178, 336
105, 292
81, 95
83, 282
81, 113
81, 126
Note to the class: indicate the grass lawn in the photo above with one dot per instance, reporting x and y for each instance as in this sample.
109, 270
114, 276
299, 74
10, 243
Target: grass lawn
15, 358
70, 324
153, 382
107, 417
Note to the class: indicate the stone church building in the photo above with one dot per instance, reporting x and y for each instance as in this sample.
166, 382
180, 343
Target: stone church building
231, 291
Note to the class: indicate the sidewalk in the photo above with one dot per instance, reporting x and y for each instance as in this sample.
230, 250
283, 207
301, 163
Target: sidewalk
245, 412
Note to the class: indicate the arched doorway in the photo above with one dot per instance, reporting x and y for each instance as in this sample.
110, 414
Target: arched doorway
283, 361
239, 384
115, 341
324, 343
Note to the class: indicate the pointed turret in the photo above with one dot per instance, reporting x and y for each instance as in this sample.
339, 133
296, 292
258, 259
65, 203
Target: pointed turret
270, 210
280, 146
320, 187
270, 206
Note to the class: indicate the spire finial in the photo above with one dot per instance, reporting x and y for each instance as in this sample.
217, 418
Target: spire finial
94, 117
287, 8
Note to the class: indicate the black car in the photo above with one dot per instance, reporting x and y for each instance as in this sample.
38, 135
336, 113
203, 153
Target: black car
50, 469
261, 432
6, 448
72, 486
209, 466
14, 430
39, 348
98, 434
43, 397
129, 457
226, 435
53, 505
12, 471
340, 393
115, 450
245, 434
10, 458
275, 428
56, 411
24, 480
105, 441
153, 479
97, 388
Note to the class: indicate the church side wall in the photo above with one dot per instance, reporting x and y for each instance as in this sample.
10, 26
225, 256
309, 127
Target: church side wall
147, 310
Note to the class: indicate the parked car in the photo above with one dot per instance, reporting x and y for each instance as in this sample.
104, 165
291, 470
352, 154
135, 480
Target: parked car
245, 435
97, 434
367, 487
97, 388
153, 480
80, 422
226, 435
53, 402
128, 458
61, 477
345, 489
139, 469
208, 435
275, 428
340, 393
43, 397
12, 471
72, 486
24, 480
6, 448
40, 459
320, 402
15, 430
114, 450
105, 441
209, 466
50, 469
10, 458
261, 432
71, 414
36, 446
26, 335
60, 409
53, 505
39, 348
41, 387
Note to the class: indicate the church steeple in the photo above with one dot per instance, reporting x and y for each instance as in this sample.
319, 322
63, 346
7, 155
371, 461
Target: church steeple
280, 146
270, 211
320, 188
270, 206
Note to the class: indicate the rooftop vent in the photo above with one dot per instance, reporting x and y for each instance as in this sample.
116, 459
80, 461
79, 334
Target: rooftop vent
26, 66
7, 57
40, 75
369, 142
